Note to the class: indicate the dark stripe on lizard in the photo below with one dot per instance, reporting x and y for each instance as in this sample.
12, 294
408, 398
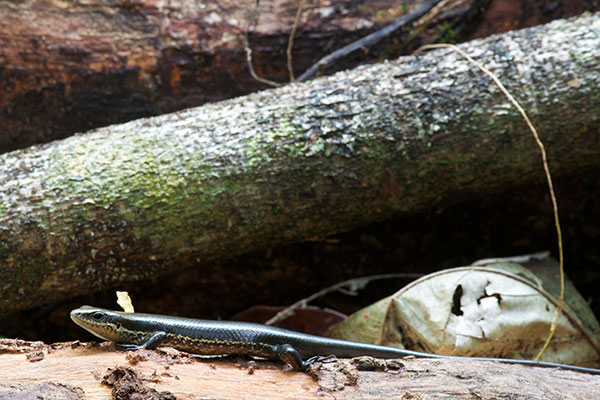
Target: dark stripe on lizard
205, 337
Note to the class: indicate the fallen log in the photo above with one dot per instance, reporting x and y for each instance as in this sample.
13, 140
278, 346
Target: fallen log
133, 201
70, 67
95, 372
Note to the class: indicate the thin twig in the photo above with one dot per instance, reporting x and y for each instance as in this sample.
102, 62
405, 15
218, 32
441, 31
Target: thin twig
355, 284
291, 40
252, 22
435, 11
367, 40
426, 19
548, 179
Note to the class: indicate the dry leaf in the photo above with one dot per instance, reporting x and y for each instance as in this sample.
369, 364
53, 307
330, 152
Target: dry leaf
124, 301
495, 308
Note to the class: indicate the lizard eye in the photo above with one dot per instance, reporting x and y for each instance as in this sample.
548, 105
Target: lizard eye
97, 316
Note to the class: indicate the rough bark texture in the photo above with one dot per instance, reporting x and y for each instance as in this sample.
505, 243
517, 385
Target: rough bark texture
71, 66
135, 200
367, 378
80, 370
67, 67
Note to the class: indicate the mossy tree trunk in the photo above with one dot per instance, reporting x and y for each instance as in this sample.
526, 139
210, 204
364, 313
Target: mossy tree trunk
135, 200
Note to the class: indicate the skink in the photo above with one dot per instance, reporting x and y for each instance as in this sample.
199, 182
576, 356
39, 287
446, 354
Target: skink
204, 337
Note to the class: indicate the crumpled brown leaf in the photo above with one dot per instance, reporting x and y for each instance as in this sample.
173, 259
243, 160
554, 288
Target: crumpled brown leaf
493, 308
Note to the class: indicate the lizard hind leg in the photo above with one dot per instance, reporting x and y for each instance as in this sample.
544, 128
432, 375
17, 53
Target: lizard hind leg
288, 354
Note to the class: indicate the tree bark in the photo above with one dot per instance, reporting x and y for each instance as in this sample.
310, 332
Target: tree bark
133, 201
67, 67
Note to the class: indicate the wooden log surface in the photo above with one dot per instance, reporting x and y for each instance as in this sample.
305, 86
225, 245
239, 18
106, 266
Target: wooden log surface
132, 201
67, 67
84, 366
82, 370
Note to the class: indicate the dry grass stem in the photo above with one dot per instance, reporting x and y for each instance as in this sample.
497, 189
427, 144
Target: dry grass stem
546, 170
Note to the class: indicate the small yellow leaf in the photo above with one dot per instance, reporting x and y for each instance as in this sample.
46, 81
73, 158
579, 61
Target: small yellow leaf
124, 301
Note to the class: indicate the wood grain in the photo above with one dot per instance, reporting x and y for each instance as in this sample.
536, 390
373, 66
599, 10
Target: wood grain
214, 379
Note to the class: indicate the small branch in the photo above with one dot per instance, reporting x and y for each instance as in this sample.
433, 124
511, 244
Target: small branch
354, 284
291, 40
367, 41
435, 12
252, 22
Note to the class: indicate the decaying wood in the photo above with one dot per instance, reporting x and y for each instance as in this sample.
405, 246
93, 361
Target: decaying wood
81, 369
132, 201
83, 366
365, 378
66, 67
367, 41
